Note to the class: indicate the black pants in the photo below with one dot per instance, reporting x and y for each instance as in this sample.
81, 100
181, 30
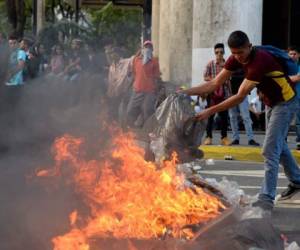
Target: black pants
223, 124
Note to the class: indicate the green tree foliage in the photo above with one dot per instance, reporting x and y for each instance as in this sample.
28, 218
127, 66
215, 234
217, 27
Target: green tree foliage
123, 26
4, 24
63, 32
16, 15
120, 26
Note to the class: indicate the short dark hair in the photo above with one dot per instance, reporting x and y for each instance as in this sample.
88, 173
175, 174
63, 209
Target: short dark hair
13, 36
295, 48
237, 39
27, 41
219, 45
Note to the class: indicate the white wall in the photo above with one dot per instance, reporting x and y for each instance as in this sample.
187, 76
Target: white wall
214, 20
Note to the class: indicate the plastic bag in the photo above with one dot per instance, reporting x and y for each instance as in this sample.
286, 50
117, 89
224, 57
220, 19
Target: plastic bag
293, 246
176, 125
229, 189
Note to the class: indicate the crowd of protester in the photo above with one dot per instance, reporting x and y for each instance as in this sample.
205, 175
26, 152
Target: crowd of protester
250, 114
132, 82
27, 60
138, 103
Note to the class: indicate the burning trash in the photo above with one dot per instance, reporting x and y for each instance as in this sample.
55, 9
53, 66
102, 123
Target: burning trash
128, 197
128, 203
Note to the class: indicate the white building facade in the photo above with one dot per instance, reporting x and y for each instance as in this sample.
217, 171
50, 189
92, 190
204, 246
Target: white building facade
184, 33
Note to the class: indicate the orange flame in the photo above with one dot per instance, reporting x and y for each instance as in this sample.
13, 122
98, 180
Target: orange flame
128, 196
73, 218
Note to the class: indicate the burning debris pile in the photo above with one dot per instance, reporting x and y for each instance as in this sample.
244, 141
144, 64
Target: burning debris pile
128, 198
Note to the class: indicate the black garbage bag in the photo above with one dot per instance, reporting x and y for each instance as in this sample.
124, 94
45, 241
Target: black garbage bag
176, 129
259, 233
242, 235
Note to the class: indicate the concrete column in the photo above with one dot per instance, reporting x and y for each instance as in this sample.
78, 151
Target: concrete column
175, 40
155, 25
181, 29
40, 15
164, 39
213, 21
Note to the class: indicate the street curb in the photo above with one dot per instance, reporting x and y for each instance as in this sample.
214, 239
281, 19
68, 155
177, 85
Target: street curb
239, 153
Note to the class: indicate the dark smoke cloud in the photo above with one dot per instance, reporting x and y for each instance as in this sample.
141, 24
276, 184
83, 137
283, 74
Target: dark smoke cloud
31, 117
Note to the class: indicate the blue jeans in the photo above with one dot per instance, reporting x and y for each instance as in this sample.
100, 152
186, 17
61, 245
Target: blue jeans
276, 151
244, 111
298, 123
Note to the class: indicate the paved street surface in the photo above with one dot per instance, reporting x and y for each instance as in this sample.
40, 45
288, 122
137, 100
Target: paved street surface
248, 175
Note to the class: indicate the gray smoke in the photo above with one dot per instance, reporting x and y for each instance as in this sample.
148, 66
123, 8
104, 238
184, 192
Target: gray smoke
31, 117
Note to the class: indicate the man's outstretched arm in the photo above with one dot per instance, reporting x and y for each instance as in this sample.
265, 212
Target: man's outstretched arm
209, 86
295, 78
232, 101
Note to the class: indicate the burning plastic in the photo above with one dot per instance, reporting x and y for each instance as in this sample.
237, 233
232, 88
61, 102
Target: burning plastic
127, 196
229, 189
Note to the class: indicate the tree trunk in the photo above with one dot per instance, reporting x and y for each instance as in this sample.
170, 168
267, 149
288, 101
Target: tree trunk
16, 16
21, 18
11, 13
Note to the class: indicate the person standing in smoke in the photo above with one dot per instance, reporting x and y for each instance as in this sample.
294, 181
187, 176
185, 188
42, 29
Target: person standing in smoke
16, 64
77, 61
57, 61
119, 81
43, 58
32, 65
146, 75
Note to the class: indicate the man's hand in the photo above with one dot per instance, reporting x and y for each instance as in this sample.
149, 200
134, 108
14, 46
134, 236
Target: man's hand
257, 114
180, 91
295, 78
210, 86
203, 115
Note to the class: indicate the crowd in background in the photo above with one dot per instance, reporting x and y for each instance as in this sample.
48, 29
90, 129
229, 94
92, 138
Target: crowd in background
133, 84
27, 59
250, 114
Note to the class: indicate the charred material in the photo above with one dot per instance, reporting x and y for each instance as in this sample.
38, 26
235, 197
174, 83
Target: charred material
224, 235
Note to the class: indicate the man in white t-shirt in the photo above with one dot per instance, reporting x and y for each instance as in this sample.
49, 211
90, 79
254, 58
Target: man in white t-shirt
257, 110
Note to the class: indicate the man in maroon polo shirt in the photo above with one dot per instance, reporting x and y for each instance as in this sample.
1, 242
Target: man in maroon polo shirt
146, 74
263, 71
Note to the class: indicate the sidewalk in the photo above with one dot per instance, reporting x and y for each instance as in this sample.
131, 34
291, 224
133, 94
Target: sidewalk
243, 152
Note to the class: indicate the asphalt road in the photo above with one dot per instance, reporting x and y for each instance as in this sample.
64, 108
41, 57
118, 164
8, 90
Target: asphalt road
248, 175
